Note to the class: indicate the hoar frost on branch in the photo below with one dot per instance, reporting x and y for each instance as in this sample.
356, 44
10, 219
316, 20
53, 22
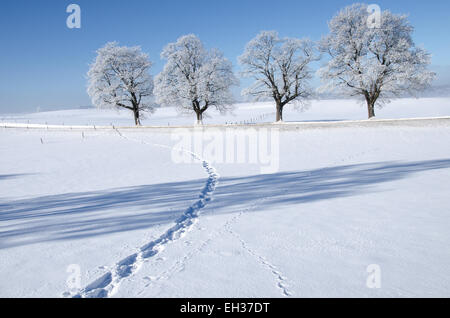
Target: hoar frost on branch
119, 78
280, 67
195, 79
376, 63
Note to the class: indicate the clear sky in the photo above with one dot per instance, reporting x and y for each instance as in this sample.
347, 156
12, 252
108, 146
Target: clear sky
44, 64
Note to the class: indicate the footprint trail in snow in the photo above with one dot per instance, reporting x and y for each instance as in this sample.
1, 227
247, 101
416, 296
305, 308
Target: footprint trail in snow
108, 284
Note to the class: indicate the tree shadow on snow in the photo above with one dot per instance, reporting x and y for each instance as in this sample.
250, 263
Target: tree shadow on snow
90, 214
12, 176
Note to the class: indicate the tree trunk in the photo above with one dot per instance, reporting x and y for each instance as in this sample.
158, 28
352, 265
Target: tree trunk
279, 112
199, 118
370, 100
135, 109
371, 109
137, 121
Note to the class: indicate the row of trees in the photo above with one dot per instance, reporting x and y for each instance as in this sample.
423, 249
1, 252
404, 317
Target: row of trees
375, 63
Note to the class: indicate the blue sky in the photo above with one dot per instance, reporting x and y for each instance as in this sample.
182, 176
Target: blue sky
44, 64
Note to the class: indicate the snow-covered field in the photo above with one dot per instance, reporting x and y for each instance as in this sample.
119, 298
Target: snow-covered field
115, 205
326, 110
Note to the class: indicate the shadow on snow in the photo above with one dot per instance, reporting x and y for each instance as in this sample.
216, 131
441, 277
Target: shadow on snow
81, 215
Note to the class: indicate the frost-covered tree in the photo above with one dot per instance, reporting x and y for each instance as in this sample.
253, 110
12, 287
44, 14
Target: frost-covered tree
375, 62
119, 78
194, 79
280, 67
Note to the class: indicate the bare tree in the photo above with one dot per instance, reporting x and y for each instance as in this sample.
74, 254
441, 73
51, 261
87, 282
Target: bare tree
376, 62
280, 68
119, 78
195, 79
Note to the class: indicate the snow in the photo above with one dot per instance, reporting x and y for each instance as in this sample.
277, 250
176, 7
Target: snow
138, 224
323, 110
